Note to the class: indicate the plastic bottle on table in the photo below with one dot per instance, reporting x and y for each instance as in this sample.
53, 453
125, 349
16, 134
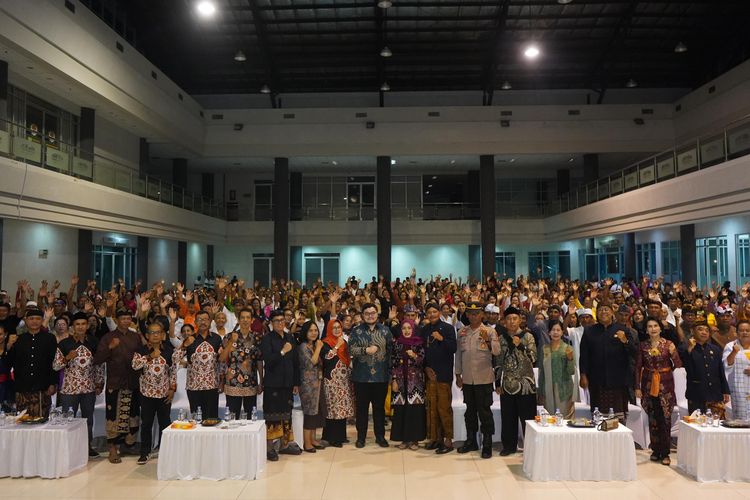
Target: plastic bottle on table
558, 417
611, 413
597, 415
199, 415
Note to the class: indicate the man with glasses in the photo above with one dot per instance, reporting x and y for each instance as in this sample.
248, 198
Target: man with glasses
281, 378
370, 345
202, 351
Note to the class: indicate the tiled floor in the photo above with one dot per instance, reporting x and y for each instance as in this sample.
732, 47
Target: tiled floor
389, 474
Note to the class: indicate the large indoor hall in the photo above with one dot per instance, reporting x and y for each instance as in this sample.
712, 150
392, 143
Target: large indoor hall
374, 249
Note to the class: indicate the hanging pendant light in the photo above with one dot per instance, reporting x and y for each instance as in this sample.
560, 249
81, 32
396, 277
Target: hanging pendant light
385, 87
386, 52
240, 56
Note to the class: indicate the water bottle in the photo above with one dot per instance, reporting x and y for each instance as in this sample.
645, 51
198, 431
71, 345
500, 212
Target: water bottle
2, 417
709, 418
558, 417
254, 415
227, 413
701, 419
71, 414
611, 413
181, 414
199, 415
544, 417
597, 415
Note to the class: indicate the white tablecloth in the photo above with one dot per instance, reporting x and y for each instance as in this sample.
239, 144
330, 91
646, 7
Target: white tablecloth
49, 451
714, 453
213, 453
568, 454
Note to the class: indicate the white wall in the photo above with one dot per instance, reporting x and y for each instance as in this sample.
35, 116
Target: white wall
430, 260
115, 143
238, 259
22, 242
196, 261
162, 260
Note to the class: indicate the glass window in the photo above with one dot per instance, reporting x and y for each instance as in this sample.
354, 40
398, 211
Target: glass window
645, 259
263, 268
505, 264
711, 255
671, 265
743, 258
112, 263
549, 264
323, 266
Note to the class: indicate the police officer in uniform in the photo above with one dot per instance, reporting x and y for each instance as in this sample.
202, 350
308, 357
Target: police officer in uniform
477, 344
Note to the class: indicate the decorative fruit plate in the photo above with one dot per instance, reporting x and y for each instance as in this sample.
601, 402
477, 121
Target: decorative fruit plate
185, 426
581, 423
211, 422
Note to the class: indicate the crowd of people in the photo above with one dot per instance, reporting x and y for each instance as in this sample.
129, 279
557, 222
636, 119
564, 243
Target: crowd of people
386, 348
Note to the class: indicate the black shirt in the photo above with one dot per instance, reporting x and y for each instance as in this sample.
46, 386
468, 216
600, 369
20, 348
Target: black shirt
706, 380
31, 358
604, 359
279, 370
439, 353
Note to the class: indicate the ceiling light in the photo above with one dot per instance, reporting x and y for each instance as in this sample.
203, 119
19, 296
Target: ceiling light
512, 160
206, 8
453, 162
429, 185
570, 159
265, 89
385, 87
506, 85
393, 162
531, 52
564, 2
335, 162
384, 4
680, 48
434, 177
240, 56
631, 84
386, 52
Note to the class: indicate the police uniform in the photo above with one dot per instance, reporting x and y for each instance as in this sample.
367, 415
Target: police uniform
474, 364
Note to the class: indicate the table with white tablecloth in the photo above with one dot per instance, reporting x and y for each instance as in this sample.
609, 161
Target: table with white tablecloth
45, 450
578, 454
213, 452
713, 453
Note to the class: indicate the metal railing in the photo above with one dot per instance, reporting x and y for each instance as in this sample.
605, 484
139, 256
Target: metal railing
33, 147
733, 141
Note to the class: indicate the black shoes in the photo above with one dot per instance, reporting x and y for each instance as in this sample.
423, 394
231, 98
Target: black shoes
486, 452
272, 456
335, 444
142, 460
360, 443
433, 445
506, 452
93, 453
655, 457
442, 449
382, 442
291, 449
469, 445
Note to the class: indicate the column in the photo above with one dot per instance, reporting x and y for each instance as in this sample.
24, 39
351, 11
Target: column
383, 215
86, 128
475, 261
590, 167
144, 157
295, 264
142, 262
3, 94
182, 261
210, 260
687, 253
85, 267
591, 268
629, 268
487, 213
179, 172
281, 218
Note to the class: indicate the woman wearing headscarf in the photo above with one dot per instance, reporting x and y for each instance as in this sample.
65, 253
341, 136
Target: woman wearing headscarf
310, 391
408, 388
337, 385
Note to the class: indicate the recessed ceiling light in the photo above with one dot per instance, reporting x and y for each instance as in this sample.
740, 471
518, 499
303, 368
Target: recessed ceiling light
426, 192
393, 162
384, 4
429, 185
512, 160
335, 162
434, 177
453, 162
205, 8
385, 52
531, 52
680, 48
506, 85
265, 89
570, 159
564, 2
385, 87
631, 83
240, 56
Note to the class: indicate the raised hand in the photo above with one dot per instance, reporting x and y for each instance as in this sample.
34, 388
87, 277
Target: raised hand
113, 343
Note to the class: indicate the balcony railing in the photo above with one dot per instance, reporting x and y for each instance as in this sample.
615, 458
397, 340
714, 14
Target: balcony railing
733, 141
33, 147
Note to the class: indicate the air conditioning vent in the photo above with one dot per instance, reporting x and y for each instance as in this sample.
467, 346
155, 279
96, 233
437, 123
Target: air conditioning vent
217, 117
360, 115
289, 116
506, 113
433, 113
574, 112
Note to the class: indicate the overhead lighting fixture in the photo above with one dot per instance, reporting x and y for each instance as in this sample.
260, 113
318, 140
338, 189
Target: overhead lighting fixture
506, 85
631, 84
265, 89
384, 4
531, 52
206, 8
385, 87
680, 48
334, 162
564, 2
393, 162
385, 52
434, 177
512, 160
240, 56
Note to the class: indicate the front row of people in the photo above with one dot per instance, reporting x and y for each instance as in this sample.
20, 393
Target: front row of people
338, 379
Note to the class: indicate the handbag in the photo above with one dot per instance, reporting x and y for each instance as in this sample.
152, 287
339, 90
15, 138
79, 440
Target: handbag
608, 424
